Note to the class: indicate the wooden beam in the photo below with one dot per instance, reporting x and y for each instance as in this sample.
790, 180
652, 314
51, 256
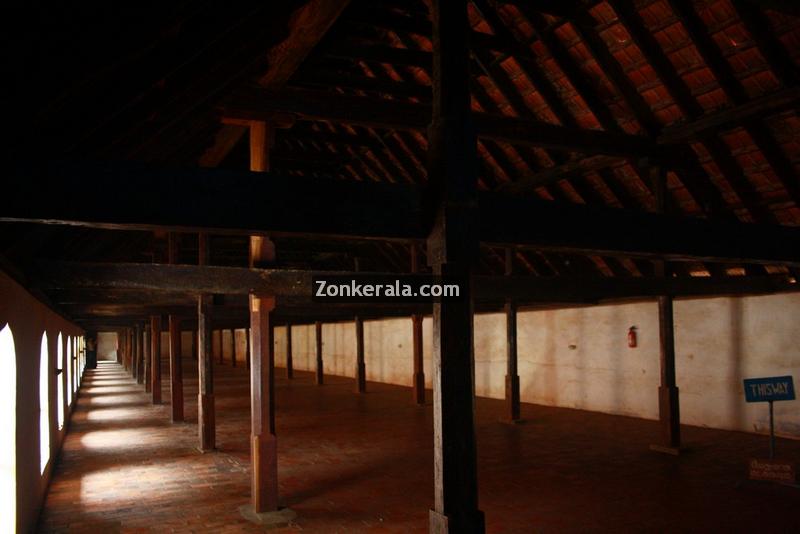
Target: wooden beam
731, 117
307, 25
255, 203
254, 103
373, 210
238, 280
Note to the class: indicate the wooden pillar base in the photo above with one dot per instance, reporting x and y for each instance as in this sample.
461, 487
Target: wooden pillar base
264, 450
419, 388
512, 397
206, 422
361, 378
669, 415
440, 524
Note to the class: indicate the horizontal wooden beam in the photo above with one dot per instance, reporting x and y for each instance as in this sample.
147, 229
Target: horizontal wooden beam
261, 203
255, 103
188, 200
731, 117
516, 220
297, 287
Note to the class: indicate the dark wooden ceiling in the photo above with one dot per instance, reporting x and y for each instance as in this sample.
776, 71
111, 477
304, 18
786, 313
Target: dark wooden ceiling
149, 82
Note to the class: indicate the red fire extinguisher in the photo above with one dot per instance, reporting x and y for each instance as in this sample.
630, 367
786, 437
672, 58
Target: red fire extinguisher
632, 337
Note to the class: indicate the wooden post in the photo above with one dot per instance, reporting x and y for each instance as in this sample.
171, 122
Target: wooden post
247, 348
668, 395
233, 347
361, 369
452, 251
416, 325
135, 352
512, 376
320, 371
175, 368
264, 450
140, 373
148, 383
221, 347
175, 364
206, 420
289, 362
155, 353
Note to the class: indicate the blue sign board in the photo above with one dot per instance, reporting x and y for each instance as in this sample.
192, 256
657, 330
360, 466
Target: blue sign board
777, 388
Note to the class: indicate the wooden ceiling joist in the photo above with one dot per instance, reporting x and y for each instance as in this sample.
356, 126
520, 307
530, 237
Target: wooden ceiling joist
256, 103
257, 204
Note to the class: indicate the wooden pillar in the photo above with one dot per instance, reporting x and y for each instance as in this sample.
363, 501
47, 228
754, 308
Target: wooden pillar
206, 419
175, 368
361, 368
221, 347
247, 348
418, 383
512, 376
233, 347
140, 354
135, 352
320, 376
175, 365
668, 395
452, 251
155, 353
289, 362
148, 384
264, 448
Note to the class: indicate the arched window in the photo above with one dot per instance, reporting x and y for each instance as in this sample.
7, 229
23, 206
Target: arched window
69, 371
44, 405
60, 381
8, 435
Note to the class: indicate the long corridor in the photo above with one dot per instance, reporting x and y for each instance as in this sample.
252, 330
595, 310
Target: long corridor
351, 463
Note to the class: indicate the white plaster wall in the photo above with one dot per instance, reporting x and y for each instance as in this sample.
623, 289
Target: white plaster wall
107, 346
579, 357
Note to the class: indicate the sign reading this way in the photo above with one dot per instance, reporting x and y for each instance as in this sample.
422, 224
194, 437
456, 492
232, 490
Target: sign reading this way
778, 388
771, 389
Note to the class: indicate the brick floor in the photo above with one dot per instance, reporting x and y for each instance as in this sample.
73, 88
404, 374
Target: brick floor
350, 463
